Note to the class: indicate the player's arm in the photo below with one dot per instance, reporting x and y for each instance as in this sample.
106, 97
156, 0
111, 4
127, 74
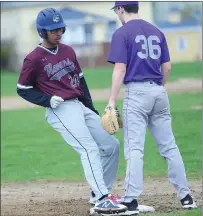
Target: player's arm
119, 72
165, 61
165, 69
34, 96
86, 98
117, 56
25, 86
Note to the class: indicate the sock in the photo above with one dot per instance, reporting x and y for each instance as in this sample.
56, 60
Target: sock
104, 196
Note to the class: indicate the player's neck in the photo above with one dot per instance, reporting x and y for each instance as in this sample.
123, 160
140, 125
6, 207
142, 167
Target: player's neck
48, 45
131, 16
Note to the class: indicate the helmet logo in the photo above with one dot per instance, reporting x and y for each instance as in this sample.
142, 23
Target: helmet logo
56, 18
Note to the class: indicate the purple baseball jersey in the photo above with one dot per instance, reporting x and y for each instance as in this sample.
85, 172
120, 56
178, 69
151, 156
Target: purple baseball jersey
143, 48
52, 73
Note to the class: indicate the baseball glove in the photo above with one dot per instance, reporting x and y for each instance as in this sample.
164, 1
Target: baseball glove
111, 120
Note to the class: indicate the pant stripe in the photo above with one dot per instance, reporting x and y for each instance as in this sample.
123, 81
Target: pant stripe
129, 152
83, 148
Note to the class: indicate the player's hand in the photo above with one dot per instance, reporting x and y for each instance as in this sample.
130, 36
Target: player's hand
55, 101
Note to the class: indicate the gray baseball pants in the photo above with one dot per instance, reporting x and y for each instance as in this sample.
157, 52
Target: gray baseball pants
99, 152
146, 104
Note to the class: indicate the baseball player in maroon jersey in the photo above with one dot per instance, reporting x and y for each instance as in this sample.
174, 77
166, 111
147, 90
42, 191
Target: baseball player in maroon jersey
52, 78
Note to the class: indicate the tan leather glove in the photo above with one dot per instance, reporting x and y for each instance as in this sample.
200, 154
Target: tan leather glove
111, 120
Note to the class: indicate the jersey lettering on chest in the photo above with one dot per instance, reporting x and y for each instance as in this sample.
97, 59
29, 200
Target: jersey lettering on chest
60, 69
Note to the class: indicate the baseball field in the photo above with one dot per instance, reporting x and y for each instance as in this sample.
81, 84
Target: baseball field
42, 175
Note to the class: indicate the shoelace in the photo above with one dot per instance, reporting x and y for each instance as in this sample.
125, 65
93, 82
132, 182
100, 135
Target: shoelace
114, 198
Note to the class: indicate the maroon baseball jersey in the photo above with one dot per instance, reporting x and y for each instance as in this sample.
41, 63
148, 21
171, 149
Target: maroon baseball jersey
52, 73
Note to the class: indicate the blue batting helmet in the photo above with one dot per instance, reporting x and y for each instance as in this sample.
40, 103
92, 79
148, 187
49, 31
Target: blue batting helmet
47, 20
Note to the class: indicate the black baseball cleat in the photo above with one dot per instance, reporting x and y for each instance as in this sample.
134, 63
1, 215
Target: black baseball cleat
132, 207
188, 202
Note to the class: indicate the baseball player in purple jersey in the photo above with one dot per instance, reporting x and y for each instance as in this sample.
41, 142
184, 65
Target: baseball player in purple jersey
52, 78
141, 61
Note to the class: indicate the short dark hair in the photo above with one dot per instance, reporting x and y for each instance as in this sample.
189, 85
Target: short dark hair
131, 8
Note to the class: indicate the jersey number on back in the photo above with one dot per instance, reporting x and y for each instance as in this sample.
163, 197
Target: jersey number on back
148, 48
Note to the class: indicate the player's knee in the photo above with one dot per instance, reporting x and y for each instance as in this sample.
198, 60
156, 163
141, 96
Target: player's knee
112, 147
167, 151
91, 151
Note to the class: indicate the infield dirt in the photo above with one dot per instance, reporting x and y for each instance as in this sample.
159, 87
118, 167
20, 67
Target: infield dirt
65, 198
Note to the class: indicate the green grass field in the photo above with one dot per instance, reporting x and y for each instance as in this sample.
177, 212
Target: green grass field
31, 150
101, 77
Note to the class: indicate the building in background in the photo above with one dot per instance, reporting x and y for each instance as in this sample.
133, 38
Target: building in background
182, 24
90, 26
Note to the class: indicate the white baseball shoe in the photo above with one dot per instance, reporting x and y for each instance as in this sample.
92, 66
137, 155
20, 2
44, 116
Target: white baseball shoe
109, 205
